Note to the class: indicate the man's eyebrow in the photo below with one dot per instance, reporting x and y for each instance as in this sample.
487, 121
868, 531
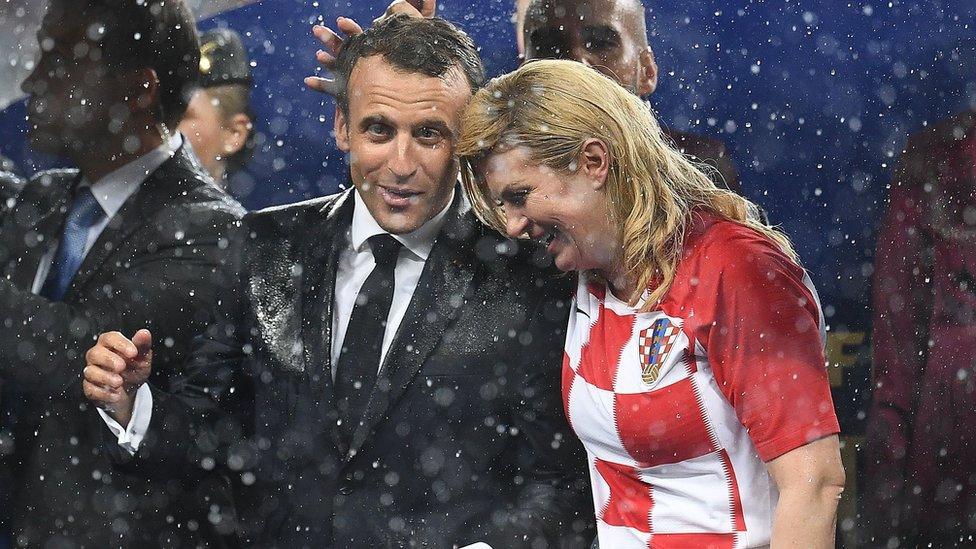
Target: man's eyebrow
371, 119
437, 124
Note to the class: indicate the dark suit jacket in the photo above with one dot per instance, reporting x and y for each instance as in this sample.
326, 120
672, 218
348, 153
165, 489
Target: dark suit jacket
154, 265
464, 438
10, 185
708, 151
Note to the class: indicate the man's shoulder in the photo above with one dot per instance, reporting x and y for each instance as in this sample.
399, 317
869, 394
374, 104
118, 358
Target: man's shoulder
191, 187
288, 220
10, 185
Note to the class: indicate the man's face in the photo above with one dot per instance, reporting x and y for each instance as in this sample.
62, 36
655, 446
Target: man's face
72, 95
607, 36
400, 134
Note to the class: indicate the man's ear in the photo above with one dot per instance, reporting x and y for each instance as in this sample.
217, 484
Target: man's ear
341, 130
594, 161
143, 89
647, 79
238, 128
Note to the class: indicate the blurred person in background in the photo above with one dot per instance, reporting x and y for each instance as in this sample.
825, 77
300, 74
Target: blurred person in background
611, 37
218, 120
694, 369
920, 484
132, 237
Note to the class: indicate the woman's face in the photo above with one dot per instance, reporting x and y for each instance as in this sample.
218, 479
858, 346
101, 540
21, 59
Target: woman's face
567, 212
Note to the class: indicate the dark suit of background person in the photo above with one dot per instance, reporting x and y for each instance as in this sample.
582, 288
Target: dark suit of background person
153, 260
10, 185
10, 182
457, 434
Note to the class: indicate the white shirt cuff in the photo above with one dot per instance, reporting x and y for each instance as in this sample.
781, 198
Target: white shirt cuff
131, 437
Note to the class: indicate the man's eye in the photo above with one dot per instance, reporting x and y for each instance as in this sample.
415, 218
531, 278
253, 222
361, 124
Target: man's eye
377, 129
598, 44
429, 134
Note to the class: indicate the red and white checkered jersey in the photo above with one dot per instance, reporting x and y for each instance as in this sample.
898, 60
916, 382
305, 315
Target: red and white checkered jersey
680, 407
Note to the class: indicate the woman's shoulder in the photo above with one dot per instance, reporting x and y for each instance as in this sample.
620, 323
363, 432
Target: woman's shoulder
716, 247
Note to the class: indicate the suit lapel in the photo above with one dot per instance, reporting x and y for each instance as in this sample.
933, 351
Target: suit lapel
323, 245
443, 286
162, 186
25, 259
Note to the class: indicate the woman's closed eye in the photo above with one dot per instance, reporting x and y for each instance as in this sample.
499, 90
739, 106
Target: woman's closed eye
515, 197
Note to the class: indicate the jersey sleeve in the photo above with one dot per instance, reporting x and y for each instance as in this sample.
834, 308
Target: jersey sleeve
760, 327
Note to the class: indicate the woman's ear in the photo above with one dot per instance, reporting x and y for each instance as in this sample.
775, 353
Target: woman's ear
594, 161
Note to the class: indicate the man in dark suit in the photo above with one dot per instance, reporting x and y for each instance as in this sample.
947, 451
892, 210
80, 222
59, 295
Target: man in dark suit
391, 366
610, 36
133, 237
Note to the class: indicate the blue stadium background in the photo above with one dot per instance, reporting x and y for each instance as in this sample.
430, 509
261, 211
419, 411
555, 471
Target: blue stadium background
814, 98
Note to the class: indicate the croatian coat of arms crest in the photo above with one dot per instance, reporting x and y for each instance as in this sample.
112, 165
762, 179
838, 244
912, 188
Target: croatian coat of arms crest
654, 344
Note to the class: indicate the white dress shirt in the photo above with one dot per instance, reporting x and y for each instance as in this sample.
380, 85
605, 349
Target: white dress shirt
355, 264
111, 192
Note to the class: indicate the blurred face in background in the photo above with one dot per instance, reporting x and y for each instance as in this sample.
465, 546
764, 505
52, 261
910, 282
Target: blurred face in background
72, 94
214, 133
400, 135
607, 35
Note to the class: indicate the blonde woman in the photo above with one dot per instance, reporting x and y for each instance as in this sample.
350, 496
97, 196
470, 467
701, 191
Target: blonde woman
694, 368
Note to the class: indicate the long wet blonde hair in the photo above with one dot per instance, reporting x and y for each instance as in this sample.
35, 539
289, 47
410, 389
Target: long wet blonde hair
551, 107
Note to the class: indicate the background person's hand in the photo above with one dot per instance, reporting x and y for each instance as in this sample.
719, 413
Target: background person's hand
116, 368
333, 42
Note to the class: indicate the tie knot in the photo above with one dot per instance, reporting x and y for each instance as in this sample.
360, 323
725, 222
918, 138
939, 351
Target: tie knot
385, 249
85, 211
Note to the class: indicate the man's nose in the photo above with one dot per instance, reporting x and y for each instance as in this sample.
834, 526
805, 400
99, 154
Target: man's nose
581, 54
402, 165
29, 85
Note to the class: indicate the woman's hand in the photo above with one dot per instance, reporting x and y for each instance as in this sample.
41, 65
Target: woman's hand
810, 481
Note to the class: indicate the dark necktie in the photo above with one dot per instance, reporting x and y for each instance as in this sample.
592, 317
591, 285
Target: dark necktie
84, 214
359, 359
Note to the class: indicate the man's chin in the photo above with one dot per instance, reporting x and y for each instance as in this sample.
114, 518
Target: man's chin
399, 221
45, 141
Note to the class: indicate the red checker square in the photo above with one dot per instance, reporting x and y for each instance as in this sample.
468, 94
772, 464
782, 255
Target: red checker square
630, 499
663, 426
692, 541
568, 377
600, 357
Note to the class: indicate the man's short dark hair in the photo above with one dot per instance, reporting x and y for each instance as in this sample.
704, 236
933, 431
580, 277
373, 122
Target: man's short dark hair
429, 46
138, 34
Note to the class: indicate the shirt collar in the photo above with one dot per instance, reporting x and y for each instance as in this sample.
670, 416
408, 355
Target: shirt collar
420, 242
112, 190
